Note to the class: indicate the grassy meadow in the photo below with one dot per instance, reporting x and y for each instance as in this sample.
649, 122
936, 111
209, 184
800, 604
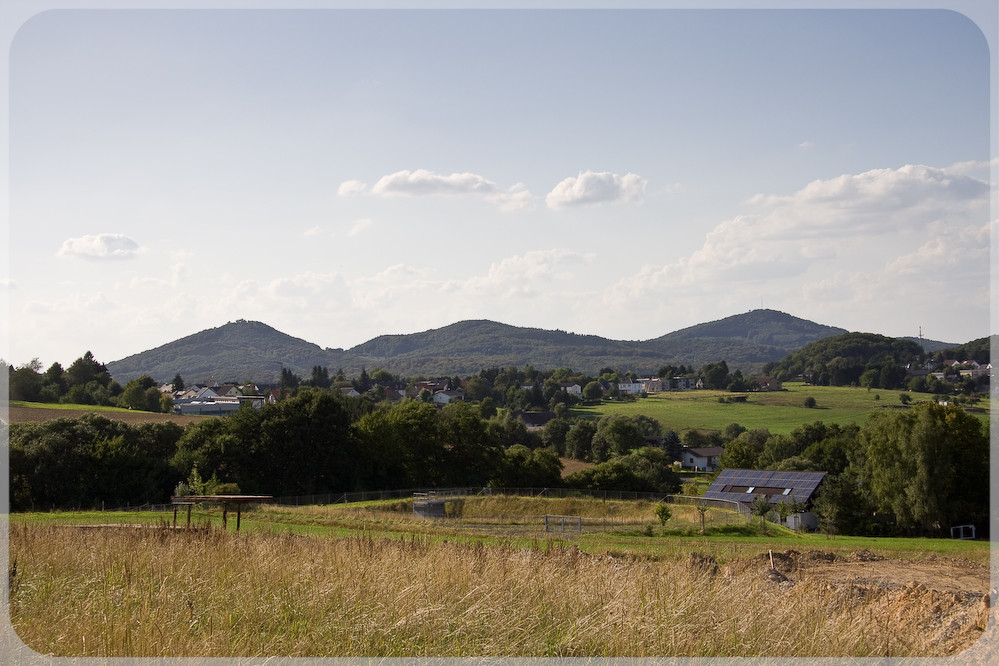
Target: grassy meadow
777, 411
372, 580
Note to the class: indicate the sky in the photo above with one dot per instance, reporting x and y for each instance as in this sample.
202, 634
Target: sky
342, 174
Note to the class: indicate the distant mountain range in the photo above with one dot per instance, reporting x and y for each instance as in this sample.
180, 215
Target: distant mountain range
253, 351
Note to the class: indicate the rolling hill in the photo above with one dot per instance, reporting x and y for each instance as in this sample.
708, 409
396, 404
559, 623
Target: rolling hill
248, 350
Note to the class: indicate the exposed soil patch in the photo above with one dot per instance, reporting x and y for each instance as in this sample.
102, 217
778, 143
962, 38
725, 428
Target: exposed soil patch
32, 414
947, 599
863, 567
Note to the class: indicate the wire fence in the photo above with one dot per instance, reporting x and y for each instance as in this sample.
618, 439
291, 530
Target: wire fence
568, 527
322, 499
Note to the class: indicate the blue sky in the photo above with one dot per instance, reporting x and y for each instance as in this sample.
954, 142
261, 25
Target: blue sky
341, 174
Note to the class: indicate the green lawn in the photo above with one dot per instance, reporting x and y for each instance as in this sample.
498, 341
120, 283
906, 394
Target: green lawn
778, 411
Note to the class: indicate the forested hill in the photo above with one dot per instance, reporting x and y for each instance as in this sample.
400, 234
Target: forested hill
238, 351
755, 338
840, 360
246, 350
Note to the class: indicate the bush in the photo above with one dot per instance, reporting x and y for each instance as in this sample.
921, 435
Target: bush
664, 513
809, 402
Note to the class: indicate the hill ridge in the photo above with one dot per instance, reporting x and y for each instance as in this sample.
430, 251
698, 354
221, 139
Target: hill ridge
252, 350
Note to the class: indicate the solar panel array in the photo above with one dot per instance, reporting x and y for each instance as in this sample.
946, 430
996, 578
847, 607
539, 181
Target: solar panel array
801, 484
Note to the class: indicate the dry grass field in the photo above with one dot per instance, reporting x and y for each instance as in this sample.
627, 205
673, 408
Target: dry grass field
197, 593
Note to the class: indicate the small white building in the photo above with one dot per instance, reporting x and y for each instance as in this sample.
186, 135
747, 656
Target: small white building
629, 388
703, 458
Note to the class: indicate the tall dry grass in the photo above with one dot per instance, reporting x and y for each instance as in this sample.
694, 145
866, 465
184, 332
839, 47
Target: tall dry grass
157, 593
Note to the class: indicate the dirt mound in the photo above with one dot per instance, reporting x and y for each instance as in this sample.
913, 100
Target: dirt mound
946, 600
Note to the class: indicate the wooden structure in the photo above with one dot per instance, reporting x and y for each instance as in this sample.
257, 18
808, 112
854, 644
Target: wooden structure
224, 500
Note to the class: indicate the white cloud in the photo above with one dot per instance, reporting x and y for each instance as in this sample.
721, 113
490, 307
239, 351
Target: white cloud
883, 244
423, 182
101, 246
806, 145
312, 231
529, 274
350, 188
591, 187
517, 198
359, 226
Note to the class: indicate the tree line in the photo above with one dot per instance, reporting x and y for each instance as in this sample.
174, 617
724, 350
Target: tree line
905, 471
315, 441
85, 382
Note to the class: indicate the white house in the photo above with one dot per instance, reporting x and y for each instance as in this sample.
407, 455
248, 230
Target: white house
628, 387
444, 397
703, 458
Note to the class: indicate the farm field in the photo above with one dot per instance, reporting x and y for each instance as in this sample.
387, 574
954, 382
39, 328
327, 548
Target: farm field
27, 412
777, 411
373, 580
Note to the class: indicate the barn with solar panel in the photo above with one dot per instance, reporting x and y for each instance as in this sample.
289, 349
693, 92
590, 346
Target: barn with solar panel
745, 485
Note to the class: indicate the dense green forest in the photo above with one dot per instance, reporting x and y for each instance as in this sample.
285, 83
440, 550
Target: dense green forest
842, 360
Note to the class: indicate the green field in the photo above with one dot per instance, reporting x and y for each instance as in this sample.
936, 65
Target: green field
67, 406
620, 526
777, 411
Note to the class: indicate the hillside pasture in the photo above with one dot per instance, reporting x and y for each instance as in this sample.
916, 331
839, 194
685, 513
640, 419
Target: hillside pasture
777, 411
28, 412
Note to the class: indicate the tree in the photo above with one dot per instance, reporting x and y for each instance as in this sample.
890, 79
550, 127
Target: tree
26, 382
761, 507
141, 393
320, 377
715, 375
554, 433
616, 434
702, 509
928, 466
178, 383
289, 380
487, 408
663, 512
841, 507
593, 391
472, 451
810, 402
579, 440
738, 455
362, 384
523, 468
56, 376
85, 370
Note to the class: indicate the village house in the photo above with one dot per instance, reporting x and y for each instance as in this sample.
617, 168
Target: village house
701, 458
444, 397
686, 383
629, 387
769, 384
652, 385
